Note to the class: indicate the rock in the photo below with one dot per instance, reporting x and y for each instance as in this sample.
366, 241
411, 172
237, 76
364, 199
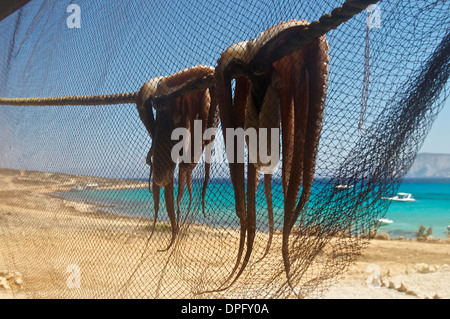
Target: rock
402, 288
391, 272
384, 282
382, 236
17, 274
10, 279
409, 270
412, 293
18, 282
436, 296
4, 284
425, 269
391, 285
9, 276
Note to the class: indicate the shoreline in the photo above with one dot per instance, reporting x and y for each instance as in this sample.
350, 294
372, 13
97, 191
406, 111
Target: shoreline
386, 230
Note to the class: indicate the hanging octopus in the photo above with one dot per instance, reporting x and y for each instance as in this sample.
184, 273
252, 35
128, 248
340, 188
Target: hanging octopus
289, 93
172, 113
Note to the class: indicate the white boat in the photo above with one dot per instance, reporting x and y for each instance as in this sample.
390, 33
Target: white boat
77, 188
343, 186
401, 197
383, 221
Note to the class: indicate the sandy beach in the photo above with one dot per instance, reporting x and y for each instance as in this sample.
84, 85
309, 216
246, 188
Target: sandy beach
45, 240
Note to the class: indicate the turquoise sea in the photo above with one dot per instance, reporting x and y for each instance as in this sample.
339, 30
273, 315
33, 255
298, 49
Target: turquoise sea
432, 208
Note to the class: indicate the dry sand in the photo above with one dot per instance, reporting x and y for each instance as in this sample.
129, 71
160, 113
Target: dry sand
41, 234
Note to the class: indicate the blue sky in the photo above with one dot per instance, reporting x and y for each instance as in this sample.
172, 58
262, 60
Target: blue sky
437, 140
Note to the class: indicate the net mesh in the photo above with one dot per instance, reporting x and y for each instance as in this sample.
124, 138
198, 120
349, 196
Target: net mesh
77, 214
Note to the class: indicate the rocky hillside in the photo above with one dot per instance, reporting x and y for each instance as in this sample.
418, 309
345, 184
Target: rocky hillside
430, 165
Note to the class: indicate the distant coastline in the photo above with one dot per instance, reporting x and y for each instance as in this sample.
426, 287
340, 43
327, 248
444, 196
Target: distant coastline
430, 165
427, 180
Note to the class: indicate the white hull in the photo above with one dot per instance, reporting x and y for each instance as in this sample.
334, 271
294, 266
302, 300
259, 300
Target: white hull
343, 187
401, 197
383, 221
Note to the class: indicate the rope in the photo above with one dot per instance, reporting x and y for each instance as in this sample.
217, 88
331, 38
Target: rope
120, 98
366, 80
294, 39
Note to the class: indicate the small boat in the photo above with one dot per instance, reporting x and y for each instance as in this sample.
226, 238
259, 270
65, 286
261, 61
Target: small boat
77, 188
343, 186
401, 197
383, 221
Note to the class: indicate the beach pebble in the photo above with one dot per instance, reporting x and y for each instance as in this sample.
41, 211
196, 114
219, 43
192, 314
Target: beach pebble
425, 268
413, 293
4, 284
391, 272
9, 279
9, 276
409, 270
17, 279
18, 282
402, 288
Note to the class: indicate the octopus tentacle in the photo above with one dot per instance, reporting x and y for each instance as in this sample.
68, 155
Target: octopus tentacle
232, 117
238, 116
262, 113
156, 193
189, 186
205, 186
196, 106
296, 174
307, 134
287, 118
212, 122
182, 175
184, 179
252, 184
169, 198
317, 64
268, 196
269, 118
163, 165
144, 106
154, 190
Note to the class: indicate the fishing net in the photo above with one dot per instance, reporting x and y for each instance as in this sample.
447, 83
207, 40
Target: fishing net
79, 215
